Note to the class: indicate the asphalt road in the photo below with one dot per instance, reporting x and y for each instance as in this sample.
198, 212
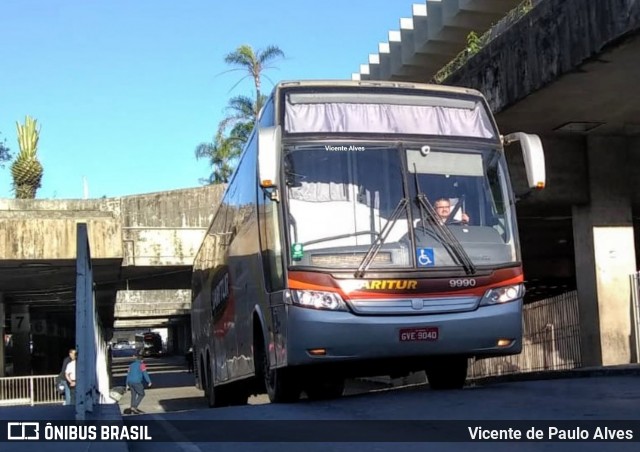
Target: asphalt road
391, 419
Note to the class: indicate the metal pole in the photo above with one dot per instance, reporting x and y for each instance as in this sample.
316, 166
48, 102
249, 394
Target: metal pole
2, 320
635, 310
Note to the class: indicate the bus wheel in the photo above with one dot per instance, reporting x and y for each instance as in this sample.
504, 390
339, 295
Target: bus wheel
447, 372
322, 390
280, 384
214, 395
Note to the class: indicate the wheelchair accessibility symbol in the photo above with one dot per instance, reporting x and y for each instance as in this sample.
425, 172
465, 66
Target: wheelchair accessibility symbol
425, 257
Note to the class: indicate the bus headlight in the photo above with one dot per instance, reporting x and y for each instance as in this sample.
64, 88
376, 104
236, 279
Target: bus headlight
501, 295
318, 300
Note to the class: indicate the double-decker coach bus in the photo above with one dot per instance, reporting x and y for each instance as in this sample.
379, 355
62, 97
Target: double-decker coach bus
368, 229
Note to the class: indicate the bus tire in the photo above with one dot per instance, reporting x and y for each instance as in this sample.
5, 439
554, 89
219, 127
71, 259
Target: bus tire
280, 384
445, 373
327, 389
217, 396
214, 394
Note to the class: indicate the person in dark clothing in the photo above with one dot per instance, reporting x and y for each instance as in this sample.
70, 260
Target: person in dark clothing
62, 376
189, 358
135, 376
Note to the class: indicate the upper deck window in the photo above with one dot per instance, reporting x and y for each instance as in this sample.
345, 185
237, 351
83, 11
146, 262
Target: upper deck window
384, 113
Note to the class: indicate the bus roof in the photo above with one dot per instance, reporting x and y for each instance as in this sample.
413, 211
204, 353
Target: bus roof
378, 84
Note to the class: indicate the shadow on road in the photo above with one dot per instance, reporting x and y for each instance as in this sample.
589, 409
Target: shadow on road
165, 372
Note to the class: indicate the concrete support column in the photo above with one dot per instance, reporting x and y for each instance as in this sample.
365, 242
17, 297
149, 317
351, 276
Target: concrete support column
605, 255
21, 337
186, 343
182, 335
2, 320
171, 339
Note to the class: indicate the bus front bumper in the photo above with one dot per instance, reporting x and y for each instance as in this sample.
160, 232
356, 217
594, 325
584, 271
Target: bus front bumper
347, 337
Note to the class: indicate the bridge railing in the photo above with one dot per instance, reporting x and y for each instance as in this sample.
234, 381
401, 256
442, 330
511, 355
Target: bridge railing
29, 390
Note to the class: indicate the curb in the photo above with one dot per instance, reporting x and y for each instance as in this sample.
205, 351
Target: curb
588, 372
107, 412
559, 374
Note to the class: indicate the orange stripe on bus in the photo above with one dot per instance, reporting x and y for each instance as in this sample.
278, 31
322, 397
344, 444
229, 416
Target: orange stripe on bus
294, 284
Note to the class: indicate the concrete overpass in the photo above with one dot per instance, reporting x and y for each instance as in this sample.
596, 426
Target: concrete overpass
566, 70
142, 247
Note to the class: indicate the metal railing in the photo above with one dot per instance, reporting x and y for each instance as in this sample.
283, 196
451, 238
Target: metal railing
29, 390
551, 340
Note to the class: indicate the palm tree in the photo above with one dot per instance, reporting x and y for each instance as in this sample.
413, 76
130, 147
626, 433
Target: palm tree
26, 170
253, 62
224, 150
242, 113
221, 154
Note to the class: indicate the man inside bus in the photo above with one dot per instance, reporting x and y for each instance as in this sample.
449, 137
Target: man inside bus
443, 208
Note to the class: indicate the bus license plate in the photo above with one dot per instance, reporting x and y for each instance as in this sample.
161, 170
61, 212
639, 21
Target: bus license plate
419, 334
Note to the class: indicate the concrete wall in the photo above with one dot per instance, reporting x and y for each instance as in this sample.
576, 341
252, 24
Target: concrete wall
548, 42
153, 229
152, 303
46, 229
167, 228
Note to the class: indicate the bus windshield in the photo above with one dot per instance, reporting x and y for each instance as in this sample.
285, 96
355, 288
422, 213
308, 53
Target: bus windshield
344, 197
340, 200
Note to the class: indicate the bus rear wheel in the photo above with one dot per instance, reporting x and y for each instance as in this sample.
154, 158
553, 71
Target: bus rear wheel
213, 394
444, 373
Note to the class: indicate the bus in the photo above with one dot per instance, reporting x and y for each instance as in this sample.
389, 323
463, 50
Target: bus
150, 344
333, 253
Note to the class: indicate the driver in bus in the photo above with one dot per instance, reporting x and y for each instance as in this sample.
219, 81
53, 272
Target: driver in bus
443, 209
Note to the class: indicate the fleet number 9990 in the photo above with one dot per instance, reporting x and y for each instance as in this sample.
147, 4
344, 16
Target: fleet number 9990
462, 282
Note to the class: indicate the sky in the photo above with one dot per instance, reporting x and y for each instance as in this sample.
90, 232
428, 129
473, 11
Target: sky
124, 90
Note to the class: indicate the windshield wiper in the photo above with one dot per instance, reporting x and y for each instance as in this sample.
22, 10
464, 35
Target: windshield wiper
382, 237
442, 231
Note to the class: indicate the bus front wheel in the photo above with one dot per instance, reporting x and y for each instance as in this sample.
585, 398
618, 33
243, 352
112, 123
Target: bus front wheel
280, 384
449, 372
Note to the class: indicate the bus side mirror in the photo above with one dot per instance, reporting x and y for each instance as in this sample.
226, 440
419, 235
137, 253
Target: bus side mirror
269, 144
533, 156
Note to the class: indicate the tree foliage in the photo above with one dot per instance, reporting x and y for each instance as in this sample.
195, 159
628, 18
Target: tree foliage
5, 152
241, 113
26, 169
253, 63
233, 132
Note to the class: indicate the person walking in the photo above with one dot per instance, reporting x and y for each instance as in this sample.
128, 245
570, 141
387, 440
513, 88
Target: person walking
189, 358
136, 375
62, 376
